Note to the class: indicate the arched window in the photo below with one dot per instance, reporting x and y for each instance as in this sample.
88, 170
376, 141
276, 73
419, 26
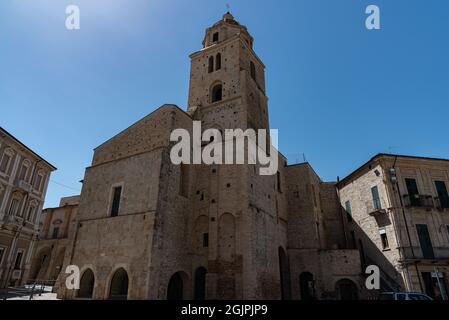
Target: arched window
218, 61
14, 205
215, 37
175, 290
307, 286
217, 93
6, 160
119, 285
211, 64
200, 283
346, 290
30, 212
24, 170
39, 180
87, 282
253, 70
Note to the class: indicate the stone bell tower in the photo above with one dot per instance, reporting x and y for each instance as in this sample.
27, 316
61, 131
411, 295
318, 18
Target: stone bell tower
232, 206
227, 81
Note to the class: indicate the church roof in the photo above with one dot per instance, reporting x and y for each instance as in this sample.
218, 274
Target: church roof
151, 114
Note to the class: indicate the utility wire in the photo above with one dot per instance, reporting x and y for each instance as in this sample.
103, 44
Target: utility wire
63, 185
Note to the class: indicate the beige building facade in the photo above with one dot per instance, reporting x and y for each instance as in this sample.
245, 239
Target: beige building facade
398, 217
52, 243
150, 229
24, 178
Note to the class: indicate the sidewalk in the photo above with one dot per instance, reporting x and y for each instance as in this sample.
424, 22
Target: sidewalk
24, 292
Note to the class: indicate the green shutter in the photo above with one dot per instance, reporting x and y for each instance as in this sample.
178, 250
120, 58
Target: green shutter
376, 198
424, 241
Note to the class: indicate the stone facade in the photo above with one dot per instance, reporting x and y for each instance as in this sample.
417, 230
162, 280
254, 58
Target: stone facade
24, 177
403, 227
149, 229
50, 248
319, 256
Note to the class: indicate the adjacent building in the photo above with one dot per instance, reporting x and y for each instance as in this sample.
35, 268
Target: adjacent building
52, 243
24, 177
323, 263
397, 215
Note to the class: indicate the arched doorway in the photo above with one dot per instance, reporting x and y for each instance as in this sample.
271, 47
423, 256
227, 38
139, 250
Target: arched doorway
284, 274
346, 290
175, 290
200, 283
119, 285
307, 286
87, 282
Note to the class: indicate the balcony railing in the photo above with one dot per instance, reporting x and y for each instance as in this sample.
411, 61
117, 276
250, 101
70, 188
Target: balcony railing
12, 219
374, 207
440, 253
24, 186
418, 201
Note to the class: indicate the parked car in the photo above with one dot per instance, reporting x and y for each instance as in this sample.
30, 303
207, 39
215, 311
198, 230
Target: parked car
404, 296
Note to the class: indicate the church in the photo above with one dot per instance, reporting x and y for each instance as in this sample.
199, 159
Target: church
150, 229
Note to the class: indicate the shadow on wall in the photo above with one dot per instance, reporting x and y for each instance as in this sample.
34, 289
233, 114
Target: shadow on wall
40, 264
46, 265
371, 254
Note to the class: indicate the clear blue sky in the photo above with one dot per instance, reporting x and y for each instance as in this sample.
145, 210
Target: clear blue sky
337, 92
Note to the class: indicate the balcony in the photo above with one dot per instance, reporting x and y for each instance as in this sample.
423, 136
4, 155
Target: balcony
374, 208
415, 254
418, 201
13, 219
25, 186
